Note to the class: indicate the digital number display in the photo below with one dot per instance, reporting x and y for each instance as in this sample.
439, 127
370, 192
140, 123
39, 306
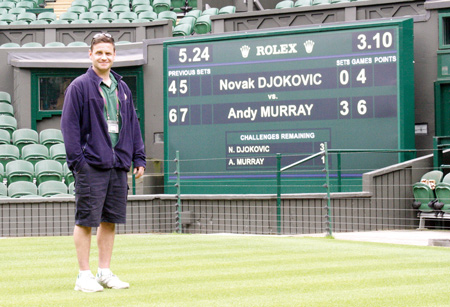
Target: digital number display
232, 103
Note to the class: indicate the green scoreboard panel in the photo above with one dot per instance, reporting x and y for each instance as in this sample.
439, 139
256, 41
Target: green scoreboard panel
233, 102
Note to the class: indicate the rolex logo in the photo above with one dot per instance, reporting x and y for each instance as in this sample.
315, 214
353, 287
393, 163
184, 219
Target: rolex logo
309, 45
245, 50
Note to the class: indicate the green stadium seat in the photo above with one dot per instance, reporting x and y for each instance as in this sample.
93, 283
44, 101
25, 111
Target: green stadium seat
18, 189
23, 137
47, 16
141, 21
120, 9
35, 153
79, 21
442, 191
49, 137
31, 45
101, 21
47, 170
7, 5
5, 137
203, 24
19, 170
230, 9
17, 10
68, 175
6, 109
59, 22
8, 17
2, 172
192, 4
168, 15
3, 11
120, 2
76, 9
8, 153
56, 44
28, 17
51, 188
104, 3
161, 6
187, 20
5, 97
177, 6
18, 23
136, 3
194, 13
320, 2
98, 10
299, 3
8, 123
284, 5
424, 191
3, 190
183, 29
58, 153
130, 16
211, 11
143, 8
120, 20
26, 4
86, 4
89, 16
69, 16
108, 16
150, 16
39, 22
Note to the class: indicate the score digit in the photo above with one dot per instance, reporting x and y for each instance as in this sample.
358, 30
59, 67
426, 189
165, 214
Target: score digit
173, 115
182, 86
381, 40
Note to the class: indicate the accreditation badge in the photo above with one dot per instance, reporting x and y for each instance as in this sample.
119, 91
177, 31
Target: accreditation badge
113, 126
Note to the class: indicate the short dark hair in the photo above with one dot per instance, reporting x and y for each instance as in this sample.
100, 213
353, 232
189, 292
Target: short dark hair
102, 38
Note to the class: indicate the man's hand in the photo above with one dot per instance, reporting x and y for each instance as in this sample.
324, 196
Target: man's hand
139, 171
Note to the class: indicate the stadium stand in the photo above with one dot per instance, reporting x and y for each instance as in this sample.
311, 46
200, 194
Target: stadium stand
182, 29
203, 24
32, 45
110, 16
18, 189
51, 188
24, 136
2, 172
17, 10
35, 153
69, 16
168, 15
211, 11
300, 3
19, 170
130, 16
120, 9
5, 97
89, 16
8, 18
442, 192
284, 5
47, 170
47, 16
150, 16
230, 9
72, 188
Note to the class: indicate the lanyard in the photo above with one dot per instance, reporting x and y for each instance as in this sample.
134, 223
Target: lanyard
106, 103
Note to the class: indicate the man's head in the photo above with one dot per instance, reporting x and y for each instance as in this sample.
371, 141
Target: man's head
102, 53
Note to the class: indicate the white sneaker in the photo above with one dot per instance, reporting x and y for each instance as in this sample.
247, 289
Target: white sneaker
111, 281
87, 283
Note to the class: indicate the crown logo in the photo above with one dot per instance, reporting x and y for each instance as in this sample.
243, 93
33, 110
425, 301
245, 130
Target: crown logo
245, 50
309, 45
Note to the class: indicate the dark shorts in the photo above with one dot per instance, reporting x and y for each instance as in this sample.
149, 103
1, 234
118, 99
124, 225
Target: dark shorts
100, 196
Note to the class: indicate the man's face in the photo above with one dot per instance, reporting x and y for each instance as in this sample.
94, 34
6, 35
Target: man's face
102, 56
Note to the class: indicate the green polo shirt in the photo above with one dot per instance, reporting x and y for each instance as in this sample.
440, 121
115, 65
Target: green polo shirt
111, 106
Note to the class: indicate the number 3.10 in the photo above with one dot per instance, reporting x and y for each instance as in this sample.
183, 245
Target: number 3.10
379, 40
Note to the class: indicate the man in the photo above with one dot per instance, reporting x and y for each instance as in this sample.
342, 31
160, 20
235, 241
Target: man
102, 138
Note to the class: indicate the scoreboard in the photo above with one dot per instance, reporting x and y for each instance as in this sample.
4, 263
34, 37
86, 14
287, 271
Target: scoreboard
233, 102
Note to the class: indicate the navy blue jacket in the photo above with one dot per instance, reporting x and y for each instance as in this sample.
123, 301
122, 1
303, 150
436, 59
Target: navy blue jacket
85, 130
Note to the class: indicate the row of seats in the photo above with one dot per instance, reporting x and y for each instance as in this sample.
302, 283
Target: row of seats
44, 170
432, 193
26, 4
21, 137
30, 190
32, 153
